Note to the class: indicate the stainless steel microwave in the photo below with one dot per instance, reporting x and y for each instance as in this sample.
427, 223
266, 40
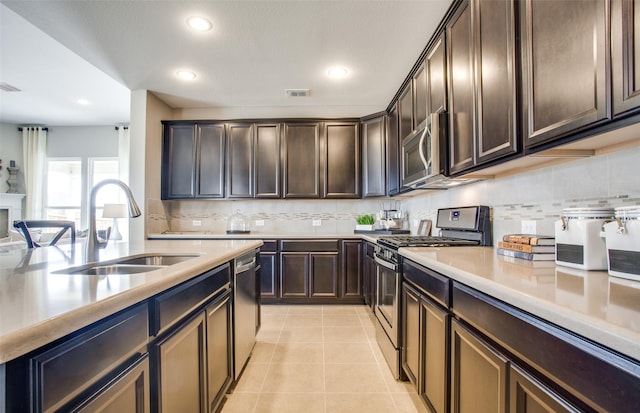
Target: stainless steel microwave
424, 154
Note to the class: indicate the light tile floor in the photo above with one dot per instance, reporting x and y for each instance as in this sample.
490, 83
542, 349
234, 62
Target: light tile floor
319, 358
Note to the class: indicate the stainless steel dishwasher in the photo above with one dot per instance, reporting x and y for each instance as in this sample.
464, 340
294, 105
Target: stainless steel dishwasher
245, 301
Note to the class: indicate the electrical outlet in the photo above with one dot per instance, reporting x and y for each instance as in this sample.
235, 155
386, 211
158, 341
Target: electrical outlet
259, 222
528, 227
316, 222
196, 223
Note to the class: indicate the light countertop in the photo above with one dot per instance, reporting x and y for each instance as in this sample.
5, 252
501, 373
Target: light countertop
254, 235
592, 304
38, 306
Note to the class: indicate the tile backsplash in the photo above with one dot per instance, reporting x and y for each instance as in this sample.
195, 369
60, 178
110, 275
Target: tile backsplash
611, 179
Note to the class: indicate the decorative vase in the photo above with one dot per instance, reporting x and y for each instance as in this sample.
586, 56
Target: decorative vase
13, 179
362, 227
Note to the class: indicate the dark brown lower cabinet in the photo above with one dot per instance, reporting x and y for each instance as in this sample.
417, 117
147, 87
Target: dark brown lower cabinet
528, 395
127, 393
181, 360
351, 280
309, 275
412, 340
269, 271
478, 374
219, 350
83, 368
320, 271
425, 340
369, 275
294, 274
323, 274
434, 387
425, 348
193, 361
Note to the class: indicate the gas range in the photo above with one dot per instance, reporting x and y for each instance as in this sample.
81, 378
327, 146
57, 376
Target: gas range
463, 226
395, 242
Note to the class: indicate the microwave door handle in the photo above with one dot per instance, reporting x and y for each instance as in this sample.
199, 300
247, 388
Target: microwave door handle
421, 150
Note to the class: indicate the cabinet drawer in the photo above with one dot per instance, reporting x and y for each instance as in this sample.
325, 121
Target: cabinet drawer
592, 374
309, 246
177, 303
436, 286
60, 374
269, 246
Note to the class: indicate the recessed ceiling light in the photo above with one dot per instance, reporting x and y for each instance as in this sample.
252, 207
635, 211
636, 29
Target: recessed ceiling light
199, 23
83, 101
337, 72
185, 74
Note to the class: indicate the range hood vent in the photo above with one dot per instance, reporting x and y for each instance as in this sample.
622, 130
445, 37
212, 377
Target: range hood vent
297, 93
8, 88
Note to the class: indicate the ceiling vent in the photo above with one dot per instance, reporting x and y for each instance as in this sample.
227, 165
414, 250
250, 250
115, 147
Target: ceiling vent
8, 88
297, 93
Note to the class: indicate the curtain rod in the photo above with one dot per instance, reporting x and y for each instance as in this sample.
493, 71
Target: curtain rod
20, 129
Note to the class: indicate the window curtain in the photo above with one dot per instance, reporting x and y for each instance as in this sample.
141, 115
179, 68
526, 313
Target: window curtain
123, 158
34, 150
123, 153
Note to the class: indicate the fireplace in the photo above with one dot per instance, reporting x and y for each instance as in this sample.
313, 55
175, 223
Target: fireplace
10, 210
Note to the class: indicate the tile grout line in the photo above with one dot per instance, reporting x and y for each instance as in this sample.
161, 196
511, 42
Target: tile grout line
324, 367
264, 380
386, 383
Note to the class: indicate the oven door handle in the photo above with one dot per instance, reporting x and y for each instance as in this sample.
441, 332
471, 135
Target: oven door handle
386, 264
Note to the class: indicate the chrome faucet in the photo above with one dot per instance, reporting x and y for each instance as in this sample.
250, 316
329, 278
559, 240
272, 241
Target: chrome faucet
93, 243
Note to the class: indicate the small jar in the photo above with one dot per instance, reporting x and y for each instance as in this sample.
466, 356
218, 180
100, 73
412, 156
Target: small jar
623, 243
579, 243
238, 224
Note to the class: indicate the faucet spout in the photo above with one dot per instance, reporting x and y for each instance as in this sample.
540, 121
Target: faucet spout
93, 243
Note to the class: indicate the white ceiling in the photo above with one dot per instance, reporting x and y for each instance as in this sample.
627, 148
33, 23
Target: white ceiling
59, 51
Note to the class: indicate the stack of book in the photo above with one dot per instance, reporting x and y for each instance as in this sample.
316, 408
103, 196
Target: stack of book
528, 247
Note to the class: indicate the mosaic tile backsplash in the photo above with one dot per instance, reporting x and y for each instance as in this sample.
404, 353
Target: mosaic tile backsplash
606, 180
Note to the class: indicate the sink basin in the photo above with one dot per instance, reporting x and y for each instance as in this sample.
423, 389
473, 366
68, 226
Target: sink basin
116, 269
162, 260
128, 265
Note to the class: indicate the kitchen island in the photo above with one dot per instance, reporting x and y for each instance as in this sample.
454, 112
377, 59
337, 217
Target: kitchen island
42, 305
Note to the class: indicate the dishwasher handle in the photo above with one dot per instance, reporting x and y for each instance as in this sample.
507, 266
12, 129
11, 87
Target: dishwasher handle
245, 266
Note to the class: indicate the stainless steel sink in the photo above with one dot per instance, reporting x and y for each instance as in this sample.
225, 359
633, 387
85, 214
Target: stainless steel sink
162, 260
116, 269
128, 265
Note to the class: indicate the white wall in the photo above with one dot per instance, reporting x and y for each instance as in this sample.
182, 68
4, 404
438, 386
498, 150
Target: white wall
82, 141
10, 149
145, 154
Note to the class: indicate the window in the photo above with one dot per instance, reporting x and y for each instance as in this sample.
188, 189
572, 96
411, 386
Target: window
69, 184
64, 190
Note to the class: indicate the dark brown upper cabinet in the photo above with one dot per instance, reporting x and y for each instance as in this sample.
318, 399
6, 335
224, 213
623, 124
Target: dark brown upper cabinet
461, 96
625, 41
210, 162
342, 160
436, 67
565, 55
240, 160
267, 161
393, 152
482, 84
193, 161
302, 160
497, 116
179, 161
420, 96
405, 112
374, 164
